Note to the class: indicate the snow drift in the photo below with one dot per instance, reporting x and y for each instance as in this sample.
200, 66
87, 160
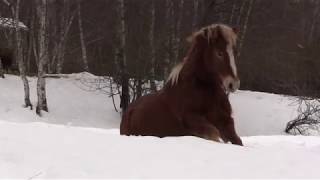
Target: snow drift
79, 138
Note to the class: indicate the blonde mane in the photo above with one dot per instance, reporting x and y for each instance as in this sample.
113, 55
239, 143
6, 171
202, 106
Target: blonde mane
174, 74
228, 34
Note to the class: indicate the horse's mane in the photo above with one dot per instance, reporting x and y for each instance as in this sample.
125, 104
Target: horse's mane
228, 34
175, 72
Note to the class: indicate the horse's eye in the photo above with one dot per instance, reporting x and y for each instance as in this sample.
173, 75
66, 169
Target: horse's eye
220, 54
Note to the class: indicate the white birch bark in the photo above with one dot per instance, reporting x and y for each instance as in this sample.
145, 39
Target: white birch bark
18, 53
66, 20
42, 54
19, 56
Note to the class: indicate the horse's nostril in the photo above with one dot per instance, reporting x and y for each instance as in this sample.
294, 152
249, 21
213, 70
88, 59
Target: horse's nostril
230, 86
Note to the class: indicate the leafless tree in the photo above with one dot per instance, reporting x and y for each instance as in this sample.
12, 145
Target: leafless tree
15, 11
152, 45
169, 37
82, 40
61, 21
1, 69
121, 55
41, 8
177, 33
244, 27
308, 119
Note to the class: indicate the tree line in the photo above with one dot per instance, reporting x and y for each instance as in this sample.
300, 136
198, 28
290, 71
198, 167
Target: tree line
278, 44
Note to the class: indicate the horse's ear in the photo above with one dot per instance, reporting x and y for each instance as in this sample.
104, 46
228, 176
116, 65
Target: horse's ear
216, 33
236, 29
208, 35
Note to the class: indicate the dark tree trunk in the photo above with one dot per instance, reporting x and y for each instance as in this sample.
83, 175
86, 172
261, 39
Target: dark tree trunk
122, 58
1, 69
125, 96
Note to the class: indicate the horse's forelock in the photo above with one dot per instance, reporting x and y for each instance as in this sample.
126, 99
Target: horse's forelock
230, 36
211, 33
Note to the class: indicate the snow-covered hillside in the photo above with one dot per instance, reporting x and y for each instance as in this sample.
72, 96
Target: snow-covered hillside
79, 138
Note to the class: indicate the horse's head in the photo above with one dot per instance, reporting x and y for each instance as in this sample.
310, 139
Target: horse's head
215, 46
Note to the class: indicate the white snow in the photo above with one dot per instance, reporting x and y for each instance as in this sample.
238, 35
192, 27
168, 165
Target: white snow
79, 138
9, 23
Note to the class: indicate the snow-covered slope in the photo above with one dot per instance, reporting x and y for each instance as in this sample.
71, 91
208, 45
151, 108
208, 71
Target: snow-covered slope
68, 103
79, 138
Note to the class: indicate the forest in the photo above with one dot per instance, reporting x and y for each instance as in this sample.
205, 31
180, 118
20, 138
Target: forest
278, 43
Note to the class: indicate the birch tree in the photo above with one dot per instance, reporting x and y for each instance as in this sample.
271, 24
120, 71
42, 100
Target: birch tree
15, 10
62, 23
42, 55
82, 40
1, 69
19, 56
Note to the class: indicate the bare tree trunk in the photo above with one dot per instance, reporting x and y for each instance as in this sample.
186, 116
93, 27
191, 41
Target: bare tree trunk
139, 88
29, 50
170, 32
124, 76
245, 26
18, 51
41, 83
66, 19
234, 6
177, 35
83, 45
241, 11
153, 55
195, 14
314, 21
1, 69
19, 57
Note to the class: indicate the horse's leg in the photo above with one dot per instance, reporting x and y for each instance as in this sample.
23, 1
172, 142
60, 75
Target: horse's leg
199, 126
225, 125
230, 134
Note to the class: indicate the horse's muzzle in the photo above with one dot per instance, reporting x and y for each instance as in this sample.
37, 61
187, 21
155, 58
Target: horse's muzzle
231, 84
234, 85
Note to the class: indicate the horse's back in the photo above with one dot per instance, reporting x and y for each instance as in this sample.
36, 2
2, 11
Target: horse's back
151, 116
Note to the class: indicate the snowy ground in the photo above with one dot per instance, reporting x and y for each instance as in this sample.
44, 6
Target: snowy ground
79, 138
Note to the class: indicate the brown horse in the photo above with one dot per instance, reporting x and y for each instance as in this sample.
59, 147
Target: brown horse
194, 101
